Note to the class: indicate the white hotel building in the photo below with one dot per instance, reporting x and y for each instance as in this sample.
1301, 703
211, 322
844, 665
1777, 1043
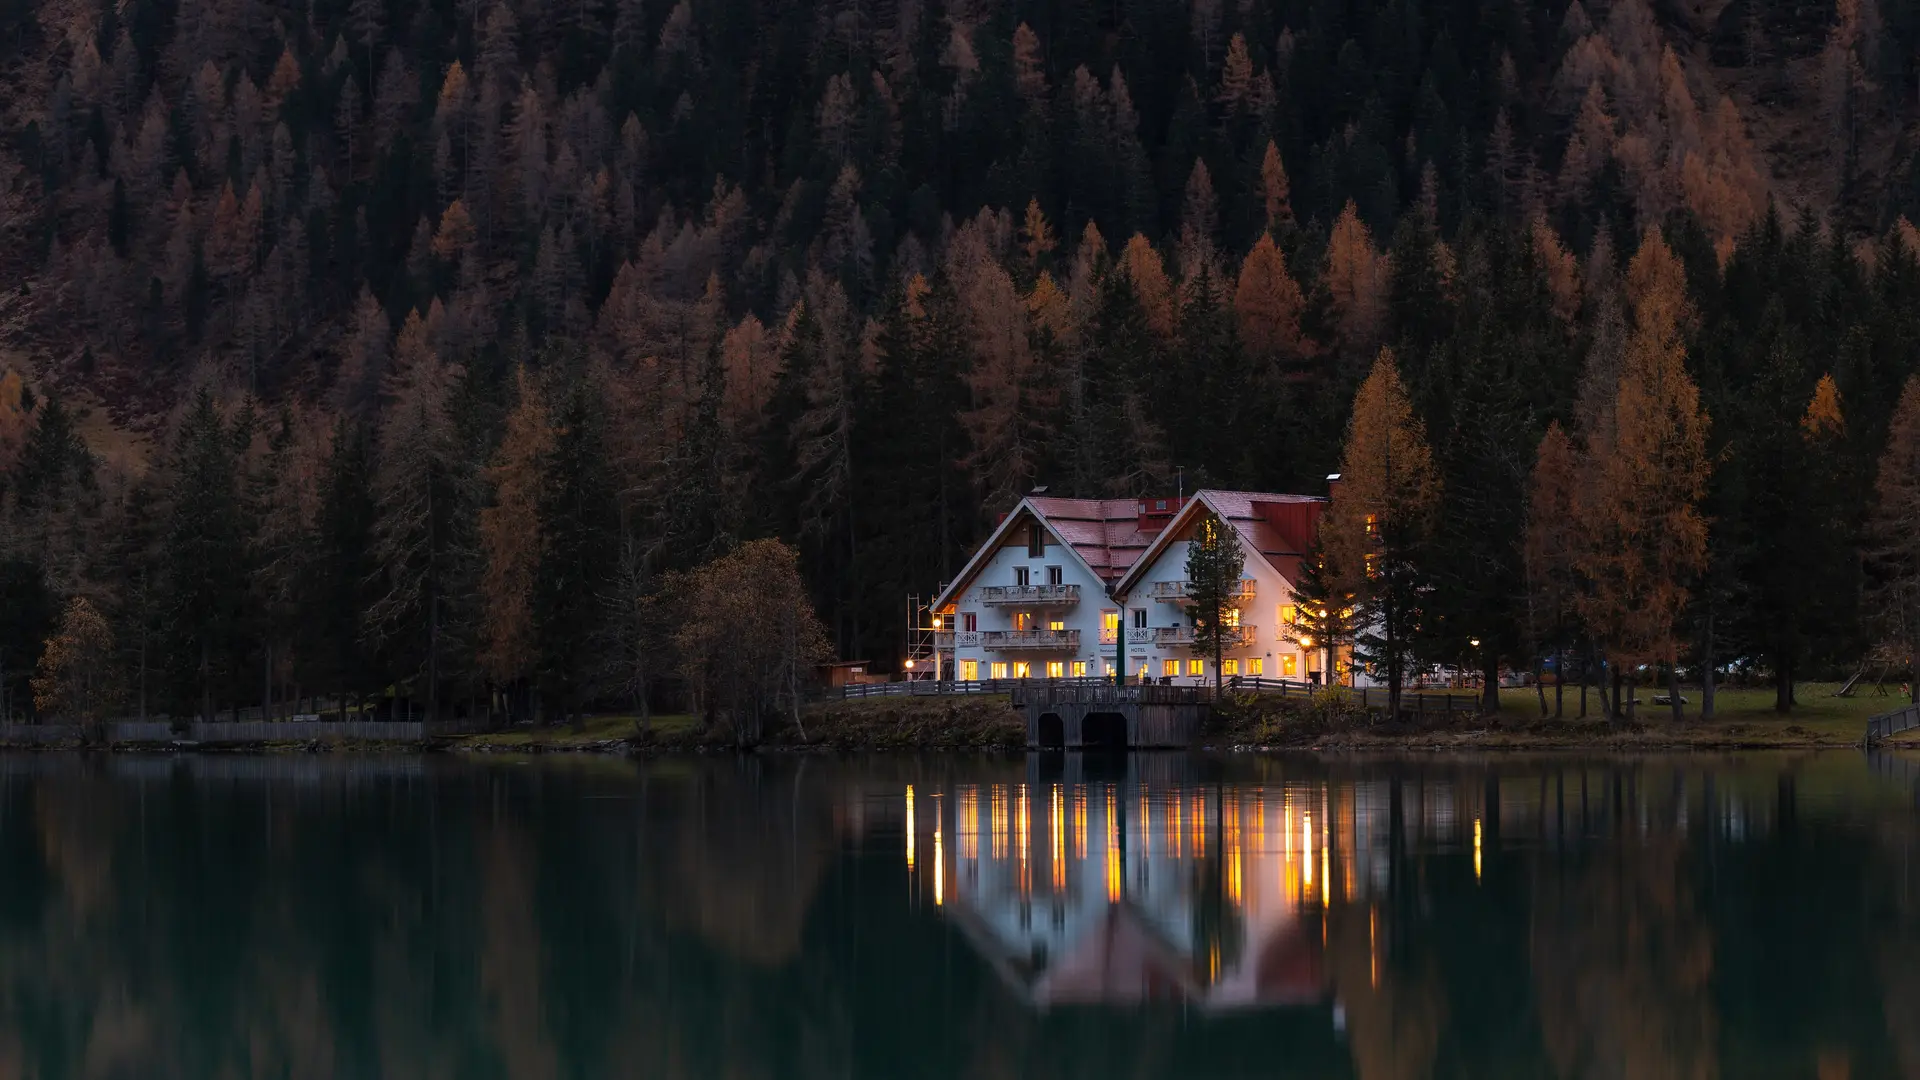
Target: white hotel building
1059, 580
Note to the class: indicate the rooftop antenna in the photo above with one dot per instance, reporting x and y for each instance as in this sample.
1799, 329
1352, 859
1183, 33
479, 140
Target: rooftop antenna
1180, 482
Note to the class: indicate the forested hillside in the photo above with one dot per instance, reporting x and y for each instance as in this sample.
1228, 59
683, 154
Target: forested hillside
368, 344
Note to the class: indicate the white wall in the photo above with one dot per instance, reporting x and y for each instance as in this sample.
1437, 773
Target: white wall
1262, 612
998, 570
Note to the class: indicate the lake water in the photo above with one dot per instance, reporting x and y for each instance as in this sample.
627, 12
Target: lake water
229, 916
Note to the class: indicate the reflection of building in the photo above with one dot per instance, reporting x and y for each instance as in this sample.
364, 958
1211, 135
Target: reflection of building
1119, 893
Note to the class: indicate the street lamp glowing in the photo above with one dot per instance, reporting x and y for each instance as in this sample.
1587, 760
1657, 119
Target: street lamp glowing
909, 665
1306, 643
1475, 642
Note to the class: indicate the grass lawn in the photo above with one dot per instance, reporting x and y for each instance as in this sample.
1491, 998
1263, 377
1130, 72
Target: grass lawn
598, 729
1817, 709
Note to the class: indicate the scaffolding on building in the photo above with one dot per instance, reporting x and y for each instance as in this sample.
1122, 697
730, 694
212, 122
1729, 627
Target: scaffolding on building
923, 660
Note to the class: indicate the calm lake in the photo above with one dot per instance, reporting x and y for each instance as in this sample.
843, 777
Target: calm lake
229, 916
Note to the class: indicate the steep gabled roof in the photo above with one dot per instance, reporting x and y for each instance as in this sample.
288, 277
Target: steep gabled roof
1103, 534
1276, 527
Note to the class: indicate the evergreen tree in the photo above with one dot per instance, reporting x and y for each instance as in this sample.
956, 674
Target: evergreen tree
1214, 564
578, 530
204, 562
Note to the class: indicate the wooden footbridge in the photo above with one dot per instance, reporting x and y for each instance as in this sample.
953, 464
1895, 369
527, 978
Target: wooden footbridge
1101, 716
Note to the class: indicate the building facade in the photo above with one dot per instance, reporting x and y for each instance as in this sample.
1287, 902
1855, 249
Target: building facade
1065, 587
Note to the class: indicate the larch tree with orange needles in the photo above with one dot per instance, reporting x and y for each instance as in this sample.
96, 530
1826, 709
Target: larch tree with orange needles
1384, 509
1552, 550
1648, 537
1893, 549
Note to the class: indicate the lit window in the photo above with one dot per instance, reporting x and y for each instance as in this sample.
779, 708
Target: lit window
1056, 669
1229, 667
1289, 665
1022, 621
1056, 624
1257, 666
1079, 669
1109, 620
1288, 613
969, 670
1196, 667
1142, 673
1022, 669
1169, 667
1107, 666
999, 669
1231, 616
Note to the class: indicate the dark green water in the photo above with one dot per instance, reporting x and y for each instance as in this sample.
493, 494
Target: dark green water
300, 916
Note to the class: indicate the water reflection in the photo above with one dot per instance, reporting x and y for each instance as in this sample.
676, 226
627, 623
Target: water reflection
896, 917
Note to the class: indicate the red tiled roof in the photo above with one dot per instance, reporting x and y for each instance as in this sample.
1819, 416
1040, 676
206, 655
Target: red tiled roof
1278, 527
1105, 532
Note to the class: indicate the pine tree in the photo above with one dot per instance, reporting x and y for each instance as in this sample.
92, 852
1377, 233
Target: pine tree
1552, 549
1382, 515
511, 539
578, 530
1894, 532
342, 590
1214, 565
1324, 610
1648, 534
422, 489
77, 678
204, 561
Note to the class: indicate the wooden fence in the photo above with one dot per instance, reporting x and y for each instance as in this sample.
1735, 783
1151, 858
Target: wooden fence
1413, 704
1887, 725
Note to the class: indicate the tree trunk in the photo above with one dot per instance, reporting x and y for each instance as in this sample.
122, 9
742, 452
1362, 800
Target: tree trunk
1783, 685
1560, 682
1706, 668
1490, 679
1673, 693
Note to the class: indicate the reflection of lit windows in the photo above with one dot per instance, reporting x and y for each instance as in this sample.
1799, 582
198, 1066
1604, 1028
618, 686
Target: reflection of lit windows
969, 670
1169, 667
1056, 669
999, 669
1289, 665
1196, 667
1022, 669
1257, 666
1079, 669
1229, 667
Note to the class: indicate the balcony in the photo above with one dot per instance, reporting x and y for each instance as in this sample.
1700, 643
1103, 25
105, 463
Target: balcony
1238, 637
1030, 595
1030, 639
1181, 592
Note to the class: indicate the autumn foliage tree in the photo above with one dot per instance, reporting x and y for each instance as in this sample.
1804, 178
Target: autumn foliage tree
1647, 537
78, 677
755, 641
1382, 514
1552, 552
510, 537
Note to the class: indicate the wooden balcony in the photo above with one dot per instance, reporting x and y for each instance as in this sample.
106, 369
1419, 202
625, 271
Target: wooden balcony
1000, 640
1030, 595
1238, 637
1181, 592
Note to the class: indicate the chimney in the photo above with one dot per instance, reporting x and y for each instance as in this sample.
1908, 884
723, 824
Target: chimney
1333, 485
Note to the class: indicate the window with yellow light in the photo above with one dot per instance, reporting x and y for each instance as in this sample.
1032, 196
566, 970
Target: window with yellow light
1196, 667
999, 669
1056, 669
969, 670
1169, 667
1022, 669
1257, 666
1229, 667
1079, 669
1289, 665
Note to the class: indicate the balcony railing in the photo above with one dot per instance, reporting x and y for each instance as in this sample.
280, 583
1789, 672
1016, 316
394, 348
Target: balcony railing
1238, 637
1031, 595
1181, 592
1030, 639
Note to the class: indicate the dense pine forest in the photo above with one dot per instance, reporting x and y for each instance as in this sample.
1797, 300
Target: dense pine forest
422, 350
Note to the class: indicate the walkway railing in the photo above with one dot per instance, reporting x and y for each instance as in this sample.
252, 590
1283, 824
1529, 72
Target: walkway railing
1887, 725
